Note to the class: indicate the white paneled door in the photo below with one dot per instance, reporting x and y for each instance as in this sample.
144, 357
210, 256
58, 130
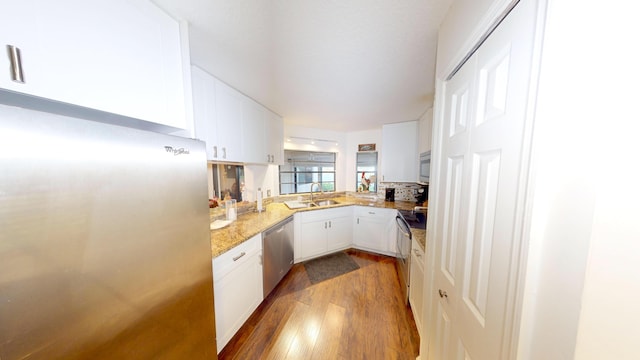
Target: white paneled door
477, 227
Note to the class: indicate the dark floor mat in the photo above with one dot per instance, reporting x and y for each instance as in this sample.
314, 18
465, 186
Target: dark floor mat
329, 266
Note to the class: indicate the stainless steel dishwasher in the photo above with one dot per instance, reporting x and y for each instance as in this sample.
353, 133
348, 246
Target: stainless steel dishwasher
277, 250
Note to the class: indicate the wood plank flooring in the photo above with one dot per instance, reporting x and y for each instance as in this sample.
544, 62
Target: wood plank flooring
358, 315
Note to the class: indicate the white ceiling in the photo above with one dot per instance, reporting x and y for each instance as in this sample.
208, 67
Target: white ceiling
330, 64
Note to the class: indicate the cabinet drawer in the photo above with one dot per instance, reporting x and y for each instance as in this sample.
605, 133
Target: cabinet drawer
325, 214
226, 262
365, 211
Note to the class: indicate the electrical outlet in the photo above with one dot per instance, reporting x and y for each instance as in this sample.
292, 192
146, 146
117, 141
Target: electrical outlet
268, 192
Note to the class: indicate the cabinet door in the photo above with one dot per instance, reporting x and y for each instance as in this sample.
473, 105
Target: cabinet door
237, 287
399, 161
74, 54
204, 110
416, 287
340, 233
254, 118
275, 138
236, 296
229, 123
371, 230
313, 238
369, 233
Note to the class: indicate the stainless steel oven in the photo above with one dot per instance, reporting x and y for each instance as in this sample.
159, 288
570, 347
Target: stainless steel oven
403, 253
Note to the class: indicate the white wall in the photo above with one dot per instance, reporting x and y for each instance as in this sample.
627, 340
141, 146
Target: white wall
461, 28
265, 177
301, 138
583, 290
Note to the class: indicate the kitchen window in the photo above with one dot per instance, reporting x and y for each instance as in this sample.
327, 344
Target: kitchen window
302, 168
366, 171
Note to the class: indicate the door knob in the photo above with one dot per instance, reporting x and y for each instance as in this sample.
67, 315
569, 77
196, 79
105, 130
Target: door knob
443, 294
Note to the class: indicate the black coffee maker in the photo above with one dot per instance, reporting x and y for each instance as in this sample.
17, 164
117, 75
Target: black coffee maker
422, 194
390, 194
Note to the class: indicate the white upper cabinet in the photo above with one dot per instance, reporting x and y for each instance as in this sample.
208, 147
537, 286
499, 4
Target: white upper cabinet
254, 119
119, 57
263, 134
275, 139
204, 109
399, 161
229, 106
235, 127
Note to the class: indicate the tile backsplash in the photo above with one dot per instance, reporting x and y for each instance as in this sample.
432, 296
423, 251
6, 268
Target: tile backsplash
404, 191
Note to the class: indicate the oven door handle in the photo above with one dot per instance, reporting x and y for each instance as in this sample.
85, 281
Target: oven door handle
403, 226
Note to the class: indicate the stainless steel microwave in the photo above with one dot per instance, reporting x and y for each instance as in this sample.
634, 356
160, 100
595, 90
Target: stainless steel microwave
425, 166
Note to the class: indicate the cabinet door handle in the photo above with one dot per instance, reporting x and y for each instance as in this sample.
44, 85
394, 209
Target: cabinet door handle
268, 158
358, 221
329, 224
16, 64
239, 256
224, 152
215, 151
371, 213
325, 224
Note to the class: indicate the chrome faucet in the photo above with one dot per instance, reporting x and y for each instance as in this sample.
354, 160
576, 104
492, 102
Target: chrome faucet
311, 189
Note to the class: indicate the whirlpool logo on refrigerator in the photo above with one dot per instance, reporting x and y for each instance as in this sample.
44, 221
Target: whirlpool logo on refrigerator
176, 152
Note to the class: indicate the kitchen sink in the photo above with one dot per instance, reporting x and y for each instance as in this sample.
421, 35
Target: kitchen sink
299, 204
326, 202
309, 204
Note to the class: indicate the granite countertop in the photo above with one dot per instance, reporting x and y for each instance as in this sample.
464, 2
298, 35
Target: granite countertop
421, 236
252, 223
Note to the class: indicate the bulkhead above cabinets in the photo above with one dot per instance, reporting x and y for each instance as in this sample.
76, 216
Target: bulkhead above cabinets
235, 127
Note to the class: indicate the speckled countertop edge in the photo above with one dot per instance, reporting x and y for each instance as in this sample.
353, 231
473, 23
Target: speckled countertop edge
250, 224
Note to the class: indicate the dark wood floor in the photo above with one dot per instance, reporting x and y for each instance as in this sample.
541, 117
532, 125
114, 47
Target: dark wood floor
358, 315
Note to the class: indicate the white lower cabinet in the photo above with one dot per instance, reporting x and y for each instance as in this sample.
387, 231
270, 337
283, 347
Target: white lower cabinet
320, 232
374, 229
237, 287
416, 283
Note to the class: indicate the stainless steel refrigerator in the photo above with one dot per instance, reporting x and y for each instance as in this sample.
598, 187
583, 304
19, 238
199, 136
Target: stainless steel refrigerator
104, 242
